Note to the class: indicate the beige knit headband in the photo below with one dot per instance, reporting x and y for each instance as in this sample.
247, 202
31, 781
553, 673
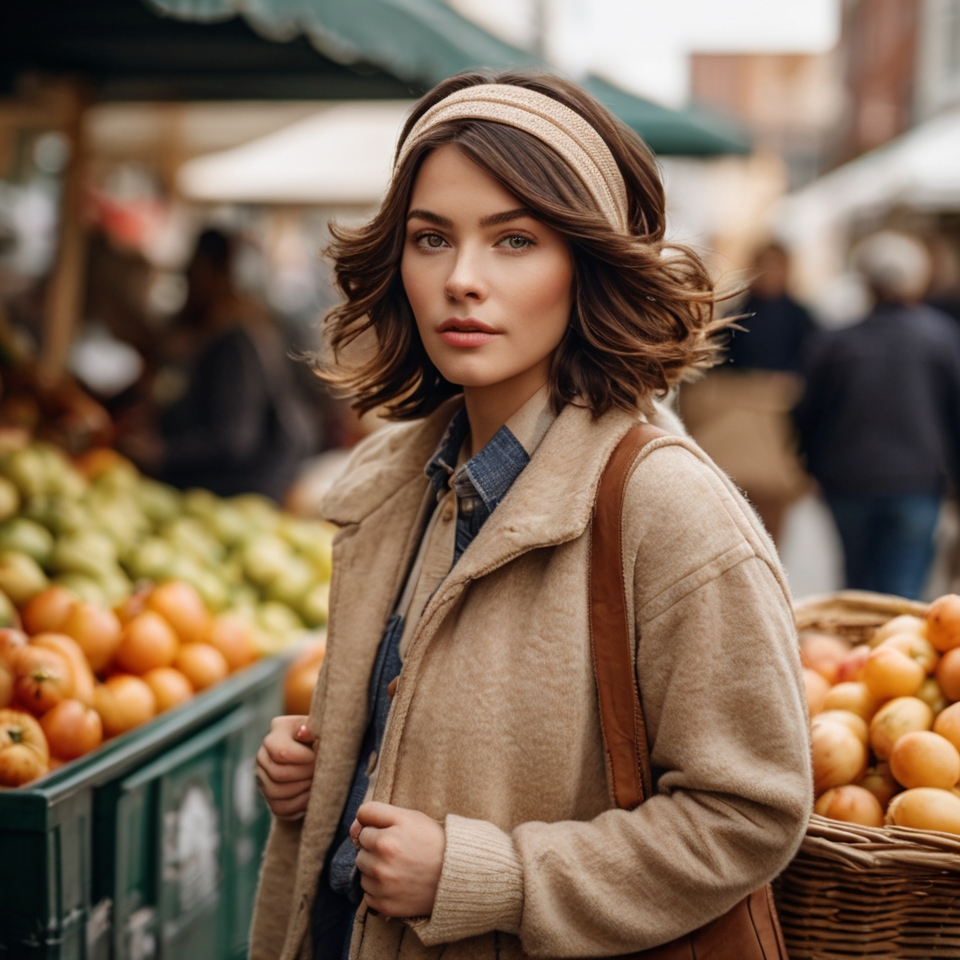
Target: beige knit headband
558, 126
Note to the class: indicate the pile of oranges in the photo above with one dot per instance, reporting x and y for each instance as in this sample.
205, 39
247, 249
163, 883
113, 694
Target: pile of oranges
885, 727
79, 673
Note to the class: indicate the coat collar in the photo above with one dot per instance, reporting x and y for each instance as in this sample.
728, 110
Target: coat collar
550, 502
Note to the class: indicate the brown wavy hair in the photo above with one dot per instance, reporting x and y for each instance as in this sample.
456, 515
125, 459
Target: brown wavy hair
643, 316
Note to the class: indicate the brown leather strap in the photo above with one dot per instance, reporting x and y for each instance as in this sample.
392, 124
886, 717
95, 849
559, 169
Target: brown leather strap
611, 639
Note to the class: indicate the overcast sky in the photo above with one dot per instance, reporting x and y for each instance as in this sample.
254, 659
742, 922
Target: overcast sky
644, 44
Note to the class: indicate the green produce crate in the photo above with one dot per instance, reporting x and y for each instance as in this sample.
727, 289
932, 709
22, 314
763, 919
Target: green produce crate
148, 849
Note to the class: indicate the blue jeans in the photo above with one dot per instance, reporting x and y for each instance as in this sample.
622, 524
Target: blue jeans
887, 540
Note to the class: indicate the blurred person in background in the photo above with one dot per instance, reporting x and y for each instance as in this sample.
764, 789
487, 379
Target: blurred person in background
239, 426
740, 413
880, 420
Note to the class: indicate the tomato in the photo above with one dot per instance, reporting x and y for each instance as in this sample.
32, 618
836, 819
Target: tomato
148, 642
98, 632
6, 684
180, 605
23, 749
11, 643
233, 637
43, 679
123, 702
81, 674
169, 686
202, 664
72, 729
47, 611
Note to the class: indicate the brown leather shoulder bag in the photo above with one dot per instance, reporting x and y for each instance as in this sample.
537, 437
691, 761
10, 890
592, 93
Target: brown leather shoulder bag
749, 931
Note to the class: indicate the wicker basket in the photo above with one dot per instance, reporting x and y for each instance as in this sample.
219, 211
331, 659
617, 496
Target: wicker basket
856, 891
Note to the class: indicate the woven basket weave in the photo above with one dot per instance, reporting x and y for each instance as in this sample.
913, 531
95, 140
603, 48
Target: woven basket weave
856, 891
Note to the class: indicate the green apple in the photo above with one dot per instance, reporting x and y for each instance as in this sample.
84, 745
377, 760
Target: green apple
27, 536
265, 558
293, 582
21, 578
86, 552
188, 535
8, 613
26, 469
150, 559
159, 502
84, 587
315, 606
9, 499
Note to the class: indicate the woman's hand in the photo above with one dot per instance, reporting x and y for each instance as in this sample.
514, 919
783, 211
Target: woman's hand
285, 763
400, 858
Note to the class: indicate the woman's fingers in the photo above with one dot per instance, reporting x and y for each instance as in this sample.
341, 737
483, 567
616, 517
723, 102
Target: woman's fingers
283, 772
291, 809
281, 791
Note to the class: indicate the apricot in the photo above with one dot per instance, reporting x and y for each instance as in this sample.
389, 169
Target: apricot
823, 653
880, 782
857, 724
925, 759
180, 605
947, 724
916, 648
894, 719
931, 694
943, 622
817, 689
926, 808
839, 756
853, 696
902, 624
890, 673
851, 804
851, 666
948, 674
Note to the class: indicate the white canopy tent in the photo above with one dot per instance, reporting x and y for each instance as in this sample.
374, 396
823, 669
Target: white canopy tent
919, 171
339, 156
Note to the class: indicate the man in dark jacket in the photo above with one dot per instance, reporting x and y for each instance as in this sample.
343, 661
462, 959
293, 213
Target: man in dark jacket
880, 420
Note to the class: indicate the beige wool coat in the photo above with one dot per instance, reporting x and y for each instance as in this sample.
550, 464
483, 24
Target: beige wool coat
494, 729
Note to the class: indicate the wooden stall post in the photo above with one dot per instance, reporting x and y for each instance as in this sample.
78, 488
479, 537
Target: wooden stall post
64, 301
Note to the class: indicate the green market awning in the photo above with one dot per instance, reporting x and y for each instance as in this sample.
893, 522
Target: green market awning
188, 50
425, 41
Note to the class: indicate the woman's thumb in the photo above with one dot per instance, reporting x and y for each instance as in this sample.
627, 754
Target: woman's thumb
303, 734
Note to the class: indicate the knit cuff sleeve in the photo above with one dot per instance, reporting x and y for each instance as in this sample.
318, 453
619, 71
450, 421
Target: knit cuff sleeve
481, 884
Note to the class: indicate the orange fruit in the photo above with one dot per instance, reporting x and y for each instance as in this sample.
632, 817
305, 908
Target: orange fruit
47, 611
169, 686
180, 605
135, 604
201, 664
72, 729
43, 679
148, 642
97, 630
123, 702
233, 637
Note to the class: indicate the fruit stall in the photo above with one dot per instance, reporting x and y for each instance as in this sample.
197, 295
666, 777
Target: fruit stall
878, 872
147, 637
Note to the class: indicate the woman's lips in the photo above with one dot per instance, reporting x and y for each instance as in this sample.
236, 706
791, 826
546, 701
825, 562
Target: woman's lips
465, 333
466, 338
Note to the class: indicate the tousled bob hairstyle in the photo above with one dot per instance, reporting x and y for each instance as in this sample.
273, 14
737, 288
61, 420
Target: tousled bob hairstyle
643, 316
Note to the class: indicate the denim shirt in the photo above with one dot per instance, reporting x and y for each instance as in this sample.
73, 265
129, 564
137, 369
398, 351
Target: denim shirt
479, 485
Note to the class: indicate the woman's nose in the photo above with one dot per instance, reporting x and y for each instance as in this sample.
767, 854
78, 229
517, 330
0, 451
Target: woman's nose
465, 281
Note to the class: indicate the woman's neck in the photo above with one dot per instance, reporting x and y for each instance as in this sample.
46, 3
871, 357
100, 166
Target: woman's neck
489, 408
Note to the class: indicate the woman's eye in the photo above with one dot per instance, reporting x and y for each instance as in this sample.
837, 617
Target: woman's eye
431, 240
517, 242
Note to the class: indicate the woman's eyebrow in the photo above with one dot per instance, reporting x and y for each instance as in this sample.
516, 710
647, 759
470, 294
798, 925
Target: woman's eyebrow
433, 218
505, 217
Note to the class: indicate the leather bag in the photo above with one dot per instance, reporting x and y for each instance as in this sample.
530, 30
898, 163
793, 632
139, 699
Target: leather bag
750, 930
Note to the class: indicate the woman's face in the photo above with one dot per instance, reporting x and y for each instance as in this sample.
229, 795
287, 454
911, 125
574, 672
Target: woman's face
491, 287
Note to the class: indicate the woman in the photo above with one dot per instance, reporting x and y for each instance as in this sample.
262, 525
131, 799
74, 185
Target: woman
451, 773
